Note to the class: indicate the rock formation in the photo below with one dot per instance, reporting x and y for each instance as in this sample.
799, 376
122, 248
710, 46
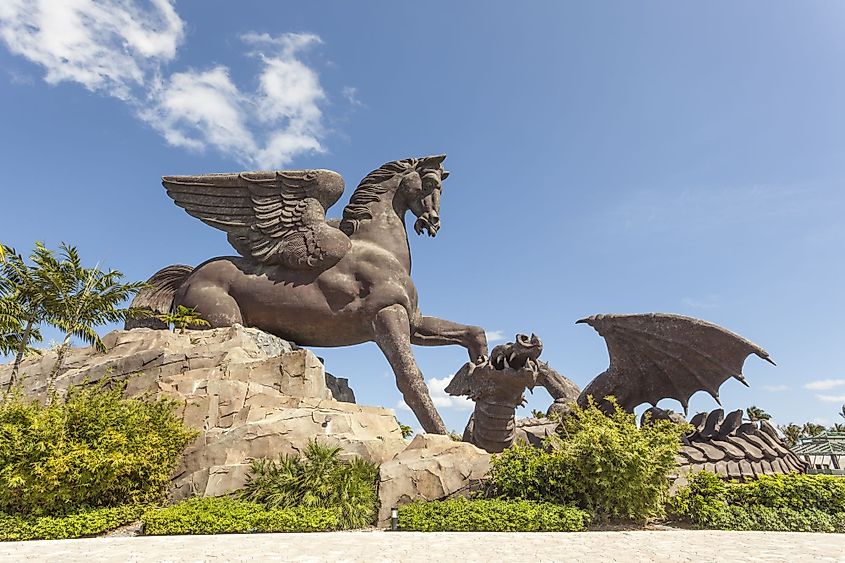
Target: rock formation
433, 467
251, 395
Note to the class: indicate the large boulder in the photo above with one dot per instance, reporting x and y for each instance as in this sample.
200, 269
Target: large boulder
432, 467
249, 394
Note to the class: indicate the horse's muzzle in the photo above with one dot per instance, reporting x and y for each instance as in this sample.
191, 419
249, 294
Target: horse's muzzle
424, 224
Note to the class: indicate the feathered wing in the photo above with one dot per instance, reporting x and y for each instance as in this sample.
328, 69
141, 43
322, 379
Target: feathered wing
656, 356
273, 217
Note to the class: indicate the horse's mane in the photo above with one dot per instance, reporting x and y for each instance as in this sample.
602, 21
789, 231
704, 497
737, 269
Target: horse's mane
369, 190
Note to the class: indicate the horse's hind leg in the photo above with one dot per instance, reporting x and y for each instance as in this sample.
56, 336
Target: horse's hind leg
393, 336
212, 302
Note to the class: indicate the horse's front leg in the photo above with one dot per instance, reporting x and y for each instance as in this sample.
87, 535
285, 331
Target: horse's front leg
431, 331
393, 335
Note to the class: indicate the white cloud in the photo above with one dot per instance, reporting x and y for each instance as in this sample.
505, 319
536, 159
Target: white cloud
494, 335
107, 46
118, 48
707, 303
440, 398
824, 384
776, 388
351, 95
831, 398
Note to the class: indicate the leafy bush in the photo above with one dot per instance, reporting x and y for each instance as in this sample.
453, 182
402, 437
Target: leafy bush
490, 515
319, 479
85, 523
792, 502
795, 491
232, 516
604, 464
91, 449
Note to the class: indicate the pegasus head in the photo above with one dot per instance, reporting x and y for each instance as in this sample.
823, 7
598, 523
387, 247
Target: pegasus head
421, 189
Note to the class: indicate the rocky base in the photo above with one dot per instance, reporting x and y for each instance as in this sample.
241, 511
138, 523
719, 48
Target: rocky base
249, 394
433, 467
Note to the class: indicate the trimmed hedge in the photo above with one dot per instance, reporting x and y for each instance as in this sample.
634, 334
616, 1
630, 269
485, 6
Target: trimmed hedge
490, 515
86, 523
230, 516
789, 503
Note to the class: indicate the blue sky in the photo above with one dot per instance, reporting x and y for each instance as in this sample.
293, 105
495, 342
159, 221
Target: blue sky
605, 157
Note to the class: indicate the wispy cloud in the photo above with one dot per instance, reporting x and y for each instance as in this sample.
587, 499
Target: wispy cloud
824, 384
120, 48
831, 398
440, 398
351, 95
107, 46
776, 388
706, 303
707, 208
494, 335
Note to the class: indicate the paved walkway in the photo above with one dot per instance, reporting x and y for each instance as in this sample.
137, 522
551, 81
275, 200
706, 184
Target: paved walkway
374, 546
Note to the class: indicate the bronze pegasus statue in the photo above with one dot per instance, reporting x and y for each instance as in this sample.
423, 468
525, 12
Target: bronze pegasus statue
312, 280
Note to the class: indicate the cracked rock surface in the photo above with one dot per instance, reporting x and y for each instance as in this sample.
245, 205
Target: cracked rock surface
433, 467
249, 394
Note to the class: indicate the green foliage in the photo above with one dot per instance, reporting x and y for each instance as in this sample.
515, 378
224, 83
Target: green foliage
407, 431
792, 433
490, 515
603, 464
182, 318
90, 449
792, 502
231, 516
319, 479
756, 413
59, 291
89, 522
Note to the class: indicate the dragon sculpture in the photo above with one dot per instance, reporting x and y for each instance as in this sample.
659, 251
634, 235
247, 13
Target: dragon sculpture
652, 357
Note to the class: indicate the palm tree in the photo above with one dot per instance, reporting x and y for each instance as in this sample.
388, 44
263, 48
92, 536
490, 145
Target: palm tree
792, 433
842, 411
838, 427
812, 429
756, 413
182, 318
26, 299
84, 298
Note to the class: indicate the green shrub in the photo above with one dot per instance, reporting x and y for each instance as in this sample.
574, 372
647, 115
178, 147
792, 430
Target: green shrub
318, 479
84, 523
792, 502
490, 515
604, 464
91, 449
793, 490
232, 516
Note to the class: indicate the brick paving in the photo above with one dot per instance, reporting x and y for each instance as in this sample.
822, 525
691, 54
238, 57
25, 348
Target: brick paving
376, 546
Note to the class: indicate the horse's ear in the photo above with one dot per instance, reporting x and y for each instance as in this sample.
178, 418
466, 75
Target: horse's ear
444, 174
431, 161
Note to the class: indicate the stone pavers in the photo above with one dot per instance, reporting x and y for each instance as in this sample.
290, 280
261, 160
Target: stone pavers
374, 546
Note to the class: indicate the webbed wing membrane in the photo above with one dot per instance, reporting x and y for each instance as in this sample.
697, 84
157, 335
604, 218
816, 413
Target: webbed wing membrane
657, 355
273, 217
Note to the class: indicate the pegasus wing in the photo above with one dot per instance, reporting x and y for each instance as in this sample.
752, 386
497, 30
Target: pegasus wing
273, 217
656, 356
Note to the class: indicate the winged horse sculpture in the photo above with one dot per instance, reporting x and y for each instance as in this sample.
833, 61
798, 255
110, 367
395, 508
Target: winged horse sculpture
314, 281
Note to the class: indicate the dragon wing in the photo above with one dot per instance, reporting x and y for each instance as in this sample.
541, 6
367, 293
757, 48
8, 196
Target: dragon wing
655, 356
273, 217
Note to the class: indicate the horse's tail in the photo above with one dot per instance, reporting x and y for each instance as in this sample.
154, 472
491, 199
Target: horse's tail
158, 296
